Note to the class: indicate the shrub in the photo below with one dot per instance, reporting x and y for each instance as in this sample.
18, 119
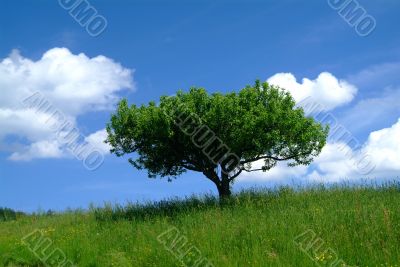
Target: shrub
7, 214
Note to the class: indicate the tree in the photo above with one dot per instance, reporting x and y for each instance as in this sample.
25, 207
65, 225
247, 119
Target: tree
219, 135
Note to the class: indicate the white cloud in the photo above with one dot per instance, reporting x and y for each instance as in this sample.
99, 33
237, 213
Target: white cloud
42, 149
24, 122
336, 162
384, 148
72, 84
379, 157
332, 165
97, 140
326, 89
280, 172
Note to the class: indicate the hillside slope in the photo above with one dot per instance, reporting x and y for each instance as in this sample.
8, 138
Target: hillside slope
312, 227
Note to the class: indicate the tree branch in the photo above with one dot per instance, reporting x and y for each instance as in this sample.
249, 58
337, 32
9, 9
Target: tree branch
191, 168
273, 158
236, 175
254, 170
211, 175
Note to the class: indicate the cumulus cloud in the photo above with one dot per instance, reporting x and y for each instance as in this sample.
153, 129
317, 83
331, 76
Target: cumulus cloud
379, 157
72, 84
326, 89
384, 148
280, 172
336, 162
97, 140
41, 149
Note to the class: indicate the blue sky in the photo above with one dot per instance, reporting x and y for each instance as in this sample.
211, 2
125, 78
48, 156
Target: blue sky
171, 45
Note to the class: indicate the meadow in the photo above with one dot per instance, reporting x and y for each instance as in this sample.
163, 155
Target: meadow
319, 226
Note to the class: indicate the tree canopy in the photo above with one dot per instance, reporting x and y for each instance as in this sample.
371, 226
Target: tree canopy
219, 135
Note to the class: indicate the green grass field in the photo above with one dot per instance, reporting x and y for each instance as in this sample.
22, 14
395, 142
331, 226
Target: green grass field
310, 227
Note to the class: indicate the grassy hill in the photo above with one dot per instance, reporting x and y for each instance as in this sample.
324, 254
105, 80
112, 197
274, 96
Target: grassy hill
310, 227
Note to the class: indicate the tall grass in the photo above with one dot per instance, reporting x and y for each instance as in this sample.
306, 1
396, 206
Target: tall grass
253, 228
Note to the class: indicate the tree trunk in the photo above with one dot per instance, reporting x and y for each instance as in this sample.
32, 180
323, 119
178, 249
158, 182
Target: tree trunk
223, 184
224, 189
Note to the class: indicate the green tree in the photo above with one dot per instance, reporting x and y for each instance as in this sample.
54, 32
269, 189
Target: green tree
219, 135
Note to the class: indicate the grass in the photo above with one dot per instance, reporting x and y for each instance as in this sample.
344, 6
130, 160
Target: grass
253, 228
